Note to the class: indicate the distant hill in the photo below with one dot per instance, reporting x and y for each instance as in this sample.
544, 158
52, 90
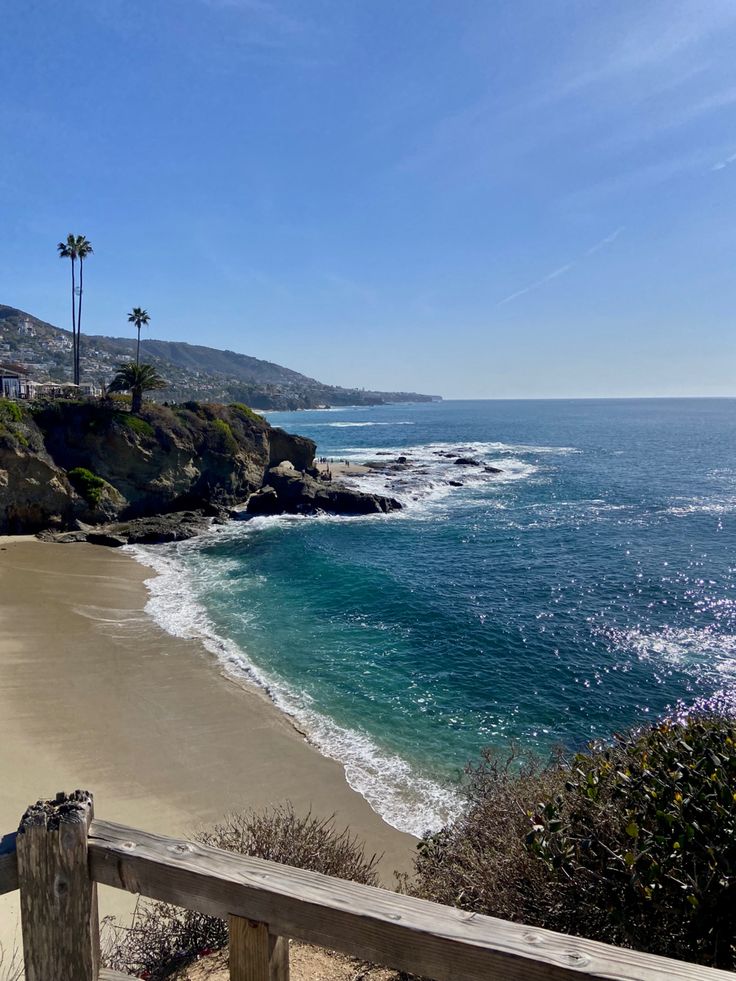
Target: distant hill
192, 370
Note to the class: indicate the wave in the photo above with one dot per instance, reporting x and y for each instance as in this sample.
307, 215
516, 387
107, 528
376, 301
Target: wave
355, 425
683, 506
405, 799
429, 476
680, 646
478, 447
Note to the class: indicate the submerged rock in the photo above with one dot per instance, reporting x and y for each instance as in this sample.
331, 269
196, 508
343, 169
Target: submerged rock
467, 461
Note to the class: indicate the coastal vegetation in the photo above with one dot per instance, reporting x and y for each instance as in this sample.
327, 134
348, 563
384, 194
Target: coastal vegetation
163, 938
88, 484
632, 842
136, 378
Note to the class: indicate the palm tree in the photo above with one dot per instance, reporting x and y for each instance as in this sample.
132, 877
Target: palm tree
84, 250
68, 250
136, 379
76, 247
140, 318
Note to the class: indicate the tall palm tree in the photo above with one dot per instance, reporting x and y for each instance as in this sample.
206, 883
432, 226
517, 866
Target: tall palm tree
76, 247
140, 318
68, 250
84, 250
136, 379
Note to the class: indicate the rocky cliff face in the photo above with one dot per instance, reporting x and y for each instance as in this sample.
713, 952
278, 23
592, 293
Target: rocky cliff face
63, 462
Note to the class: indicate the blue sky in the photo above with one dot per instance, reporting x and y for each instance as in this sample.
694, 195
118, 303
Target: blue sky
474, 198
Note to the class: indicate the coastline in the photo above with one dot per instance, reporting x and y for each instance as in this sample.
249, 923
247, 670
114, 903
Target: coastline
93, 693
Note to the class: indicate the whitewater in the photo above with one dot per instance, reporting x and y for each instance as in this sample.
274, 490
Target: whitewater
587, 587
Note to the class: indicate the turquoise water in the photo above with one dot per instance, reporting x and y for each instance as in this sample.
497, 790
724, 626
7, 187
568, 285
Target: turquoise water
588, 587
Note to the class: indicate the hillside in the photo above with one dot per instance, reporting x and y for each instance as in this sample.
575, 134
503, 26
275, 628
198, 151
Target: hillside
193, 371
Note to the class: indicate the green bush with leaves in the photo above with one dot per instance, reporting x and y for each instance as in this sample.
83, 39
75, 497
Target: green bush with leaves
632, 843
646, 830
220, 438
88, 484
245, 410
10, 411
136, 424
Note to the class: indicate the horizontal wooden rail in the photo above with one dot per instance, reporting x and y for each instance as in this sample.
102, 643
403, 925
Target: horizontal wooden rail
265, 902
397, 931
8, 864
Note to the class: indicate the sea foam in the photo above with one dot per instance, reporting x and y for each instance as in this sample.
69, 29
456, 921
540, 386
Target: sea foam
405, 799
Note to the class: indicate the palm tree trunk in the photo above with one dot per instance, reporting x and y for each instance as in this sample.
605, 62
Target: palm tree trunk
138, 347
136, 400
79, 323
74, 325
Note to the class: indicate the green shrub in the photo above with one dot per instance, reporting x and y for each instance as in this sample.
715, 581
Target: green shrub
632, 843
86, 483
246, 411
220, 437
10, 411
136, 424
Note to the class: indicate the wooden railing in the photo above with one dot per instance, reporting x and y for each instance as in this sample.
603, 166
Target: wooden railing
61, 852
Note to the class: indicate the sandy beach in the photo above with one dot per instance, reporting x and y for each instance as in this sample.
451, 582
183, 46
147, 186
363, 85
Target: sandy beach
341, 468
94, 694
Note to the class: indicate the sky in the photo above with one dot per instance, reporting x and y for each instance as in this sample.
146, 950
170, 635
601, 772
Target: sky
471, 198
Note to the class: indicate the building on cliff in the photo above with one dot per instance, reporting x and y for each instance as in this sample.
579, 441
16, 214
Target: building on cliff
12, 381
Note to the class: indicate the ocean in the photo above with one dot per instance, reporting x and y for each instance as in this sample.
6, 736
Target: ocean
587, 588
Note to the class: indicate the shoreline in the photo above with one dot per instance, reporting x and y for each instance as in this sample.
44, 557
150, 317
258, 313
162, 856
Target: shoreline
95, 694
406, 801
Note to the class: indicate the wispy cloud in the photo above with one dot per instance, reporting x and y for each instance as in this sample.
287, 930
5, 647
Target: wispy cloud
623, 87
561, 270
722, 164
662, 41
608, 240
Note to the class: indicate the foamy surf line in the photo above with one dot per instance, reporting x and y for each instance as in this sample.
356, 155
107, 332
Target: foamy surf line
406, 800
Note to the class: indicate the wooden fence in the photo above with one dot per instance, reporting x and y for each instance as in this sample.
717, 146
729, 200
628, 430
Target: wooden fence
61, 852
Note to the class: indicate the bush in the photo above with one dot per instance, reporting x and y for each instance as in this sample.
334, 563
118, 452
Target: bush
136, 424
220, 438
481, 861
245, 410
632, 843
86, 483
10, 411
162, 938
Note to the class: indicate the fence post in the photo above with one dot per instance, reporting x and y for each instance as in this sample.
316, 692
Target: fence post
58, 899
255, 954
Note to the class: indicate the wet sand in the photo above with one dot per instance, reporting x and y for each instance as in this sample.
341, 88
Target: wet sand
93, 694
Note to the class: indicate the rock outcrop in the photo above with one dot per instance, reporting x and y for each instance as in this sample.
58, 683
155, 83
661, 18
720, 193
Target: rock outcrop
67, 461
155, 530
287, 490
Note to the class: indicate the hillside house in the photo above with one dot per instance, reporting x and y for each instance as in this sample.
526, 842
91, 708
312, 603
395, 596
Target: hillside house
11, 382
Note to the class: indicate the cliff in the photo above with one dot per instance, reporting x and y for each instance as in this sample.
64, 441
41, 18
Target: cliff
63, 462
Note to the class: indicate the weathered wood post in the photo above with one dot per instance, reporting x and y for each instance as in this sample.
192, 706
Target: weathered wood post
255, 954
58, 899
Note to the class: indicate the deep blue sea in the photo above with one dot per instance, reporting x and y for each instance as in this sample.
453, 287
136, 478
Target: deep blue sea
587, 588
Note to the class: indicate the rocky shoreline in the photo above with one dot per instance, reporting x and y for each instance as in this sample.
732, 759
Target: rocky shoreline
91, 471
